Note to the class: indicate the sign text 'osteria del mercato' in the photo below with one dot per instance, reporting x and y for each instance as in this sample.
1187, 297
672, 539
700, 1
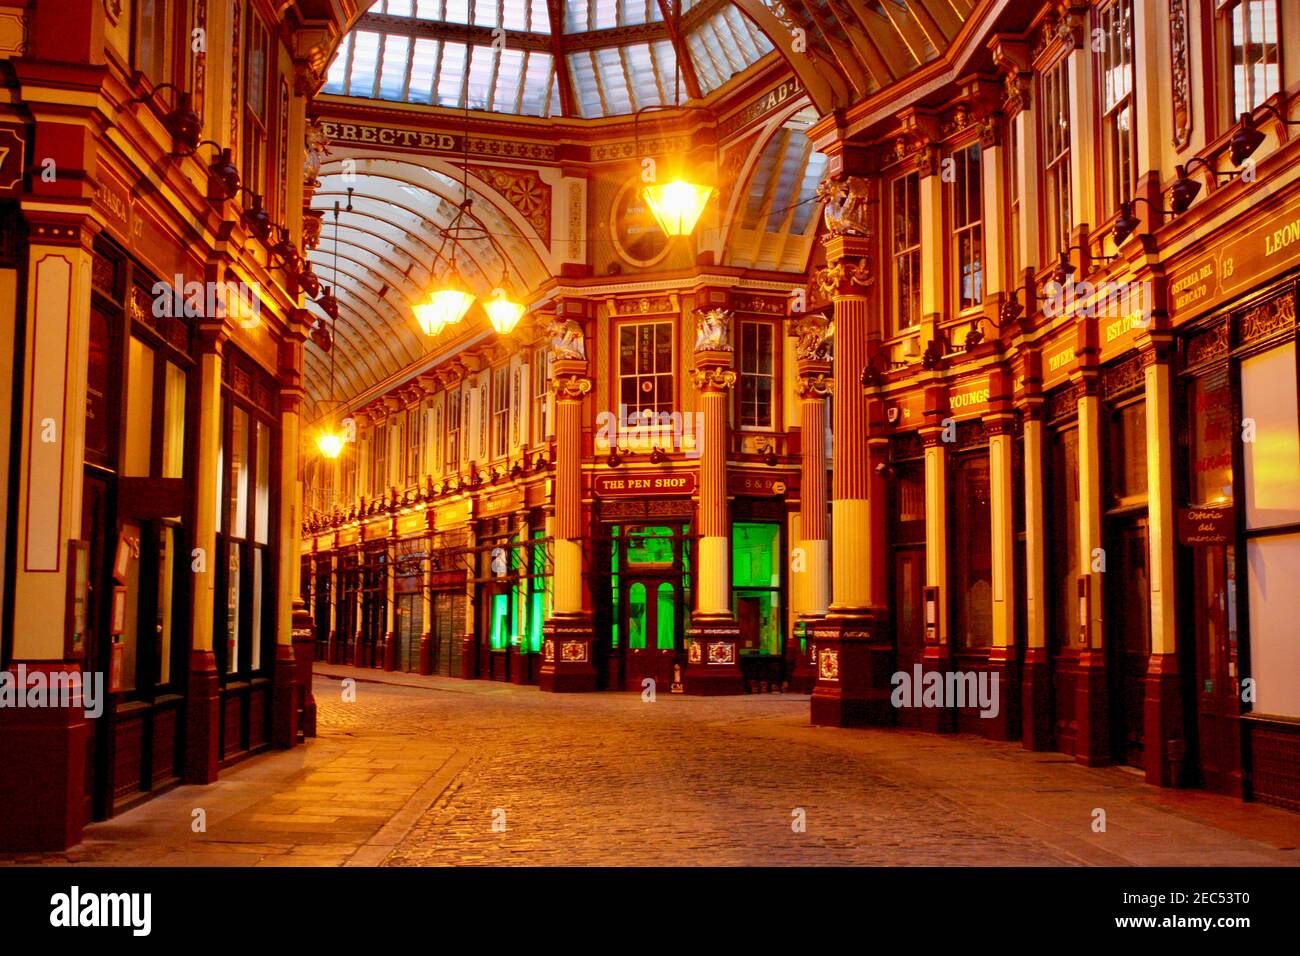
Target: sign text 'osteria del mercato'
1237, 265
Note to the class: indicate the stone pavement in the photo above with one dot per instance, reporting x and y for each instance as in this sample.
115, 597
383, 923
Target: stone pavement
437, 771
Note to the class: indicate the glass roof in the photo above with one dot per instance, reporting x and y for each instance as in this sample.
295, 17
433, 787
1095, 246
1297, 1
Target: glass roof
617, 55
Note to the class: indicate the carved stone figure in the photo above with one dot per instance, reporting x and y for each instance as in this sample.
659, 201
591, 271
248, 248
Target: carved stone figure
567, 341
317, 146
813, 335
713, 331
845, 206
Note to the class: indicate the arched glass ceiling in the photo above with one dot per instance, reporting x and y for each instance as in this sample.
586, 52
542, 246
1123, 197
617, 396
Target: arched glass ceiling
388, 248
604, 57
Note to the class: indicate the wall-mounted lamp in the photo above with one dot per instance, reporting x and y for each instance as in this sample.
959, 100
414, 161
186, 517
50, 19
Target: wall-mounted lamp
769, 455
184, 125
658, 456
1126, 223
256, 219
223, 174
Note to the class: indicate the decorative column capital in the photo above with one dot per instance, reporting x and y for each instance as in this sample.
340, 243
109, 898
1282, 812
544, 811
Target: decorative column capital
810, 385
570, 385
713, 377
842, 278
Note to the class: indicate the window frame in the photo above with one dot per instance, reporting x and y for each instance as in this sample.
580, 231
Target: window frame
1057, 216
911, 250
655, 374
958, 228
1116, 188
773, 377
1225, 46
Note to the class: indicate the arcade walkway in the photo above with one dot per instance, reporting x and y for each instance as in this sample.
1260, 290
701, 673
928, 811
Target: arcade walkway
411, 772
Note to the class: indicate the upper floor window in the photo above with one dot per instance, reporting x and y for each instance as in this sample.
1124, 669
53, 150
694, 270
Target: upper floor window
453, 430
151, 39
905, 213
1115, 21
257, 57
757, 374
500, 410
1054, 94
967, 220
379, 460
645, 367
1253, 68
415, 443
541, 370
1013, 194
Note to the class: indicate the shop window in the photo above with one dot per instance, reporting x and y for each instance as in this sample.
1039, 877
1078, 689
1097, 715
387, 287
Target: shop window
966, 218
247, 571
1213, 432
539, 591
757, 374
645, 367
665, 616
971, 558
1063, 489
1129, 453
756, 585
1250, 30
650, 546
1115, 23
173, 430
905, 281
500, 621
1270, 461
137, 453
636, 616
1054, 95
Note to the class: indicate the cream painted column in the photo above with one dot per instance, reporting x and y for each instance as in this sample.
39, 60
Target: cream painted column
1003, 655
47, 507
202, 708
1163, 714
294, 641
568, 640
1035, 676
713, 378
813, 386
855, 650
1091, 708
713, 663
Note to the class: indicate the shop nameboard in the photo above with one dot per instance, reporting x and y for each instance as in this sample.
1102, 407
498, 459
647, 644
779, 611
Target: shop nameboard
650, 485
758, 485
969, 398
1237, 265
1202, 526
502, 504
1059, 361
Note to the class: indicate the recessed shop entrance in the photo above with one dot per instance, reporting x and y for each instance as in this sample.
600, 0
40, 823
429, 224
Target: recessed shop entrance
649, 574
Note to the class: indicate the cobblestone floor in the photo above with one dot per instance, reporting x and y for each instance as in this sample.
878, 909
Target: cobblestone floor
428, 771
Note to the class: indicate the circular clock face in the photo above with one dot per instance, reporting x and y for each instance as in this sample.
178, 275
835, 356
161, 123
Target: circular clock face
637, 236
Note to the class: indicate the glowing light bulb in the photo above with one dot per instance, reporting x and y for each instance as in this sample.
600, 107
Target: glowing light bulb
677, 205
